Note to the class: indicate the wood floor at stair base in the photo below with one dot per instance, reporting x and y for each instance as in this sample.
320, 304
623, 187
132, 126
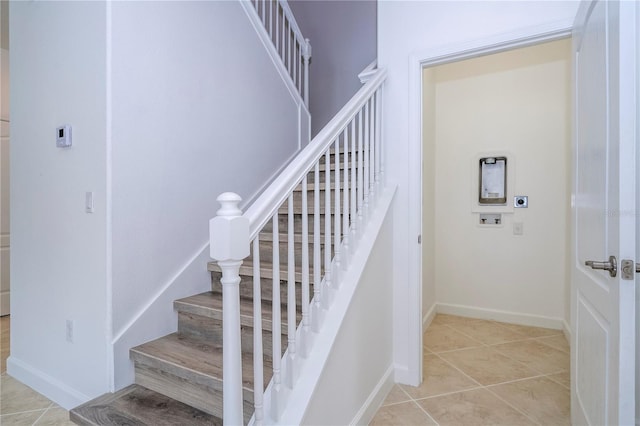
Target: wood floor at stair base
138, 406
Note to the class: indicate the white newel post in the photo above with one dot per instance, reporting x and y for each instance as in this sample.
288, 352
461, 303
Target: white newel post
229, 245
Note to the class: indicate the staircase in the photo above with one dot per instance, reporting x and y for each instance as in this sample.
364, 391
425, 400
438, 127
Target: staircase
179, 377
269, 303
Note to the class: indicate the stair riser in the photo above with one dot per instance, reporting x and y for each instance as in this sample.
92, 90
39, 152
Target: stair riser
246, 288
266, 252
297, 203
283, 221
200, 396
210, 330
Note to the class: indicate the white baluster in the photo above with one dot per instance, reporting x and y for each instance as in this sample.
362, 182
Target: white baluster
277, 398
271, 20
292, 374
326, 301
381, 179
345, 202
278, 22
307, 58
229, 244
294, 77
353, 216
365, 171
360, 173
335, 274
372, 153
258, 373
317, 274
305, 271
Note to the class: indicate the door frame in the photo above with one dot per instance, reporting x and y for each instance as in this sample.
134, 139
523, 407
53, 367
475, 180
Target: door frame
417, 62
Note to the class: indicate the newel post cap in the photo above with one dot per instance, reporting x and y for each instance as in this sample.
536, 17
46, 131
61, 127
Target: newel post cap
229, 230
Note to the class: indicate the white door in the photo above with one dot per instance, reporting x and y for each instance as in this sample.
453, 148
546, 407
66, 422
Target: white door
604, 209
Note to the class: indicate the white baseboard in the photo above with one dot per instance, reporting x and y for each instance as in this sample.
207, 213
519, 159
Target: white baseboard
502, 316
376, 398
52, 388
428, 317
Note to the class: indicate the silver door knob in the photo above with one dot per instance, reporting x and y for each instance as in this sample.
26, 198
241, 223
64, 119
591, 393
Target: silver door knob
611, 265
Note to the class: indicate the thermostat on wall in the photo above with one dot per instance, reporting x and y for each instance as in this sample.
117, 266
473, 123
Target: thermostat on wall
63, 136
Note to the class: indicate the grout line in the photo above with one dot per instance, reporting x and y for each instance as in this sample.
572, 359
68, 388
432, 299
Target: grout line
41, 415
399, 402
512, 406
460, 371
516, 380
24, 412
426, 412
451, 393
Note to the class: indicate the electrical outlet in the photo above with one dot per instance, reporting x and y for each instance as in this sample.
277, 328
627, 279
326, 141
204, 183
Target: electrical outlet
69, 330
518, 228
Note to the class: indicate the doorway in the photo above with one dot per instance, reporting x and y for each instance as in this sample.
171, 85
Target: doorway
514, 269
517, 104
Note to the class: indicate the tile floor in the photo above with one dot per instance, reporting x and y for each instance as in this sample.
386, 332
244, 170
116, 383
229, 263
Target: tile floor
480, 372
19, 404
475, 373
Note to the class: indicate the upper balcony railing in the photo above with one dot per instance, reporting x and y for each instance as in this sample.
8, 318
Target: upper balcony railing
292, 47
320, 232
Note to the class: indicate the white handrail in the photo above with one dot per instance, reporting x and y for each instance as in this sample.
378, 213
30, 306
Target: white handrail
267, 204
352, 139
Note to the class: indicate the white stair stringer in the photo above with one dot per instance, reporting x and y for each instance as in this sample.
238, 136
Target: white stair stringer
287, 406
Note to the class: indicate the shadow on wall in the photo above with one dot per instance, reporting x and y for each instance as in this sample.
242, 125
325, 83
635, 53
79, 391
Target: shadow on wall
343, 36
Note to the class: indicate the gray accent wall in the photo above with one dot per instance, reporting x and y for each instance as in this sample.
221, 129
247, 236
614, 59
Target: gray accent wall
343, 38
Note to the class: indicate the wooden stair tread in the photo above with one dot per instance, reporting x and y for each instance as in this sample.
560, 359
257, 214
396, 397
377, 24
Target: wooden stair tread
136, 406
209, 304
266, 270
193, 359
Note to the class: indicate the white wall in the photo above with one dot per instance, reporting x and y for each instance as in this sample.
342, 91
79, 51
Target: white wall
406, 29
197, 111
168, 111
4, 84
516, 102
58, 268
343, 40
361, 353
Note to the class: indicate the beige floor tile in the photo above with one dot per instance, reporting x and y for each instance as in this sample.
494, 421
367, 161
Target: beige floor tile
474, 407
440, 338
559, 342
544, 400
16, 397
395, 396
563, 378
21, 419
488, 332
445, 319
406, 413
55, 416
531, 331
487, 366
536, 355
439, 378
